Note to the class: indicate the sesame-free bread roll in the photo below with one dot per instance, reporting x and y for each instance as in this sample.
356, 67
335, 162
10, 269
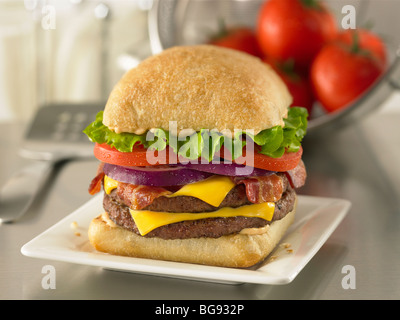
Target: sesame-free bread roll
199, 87
240, 250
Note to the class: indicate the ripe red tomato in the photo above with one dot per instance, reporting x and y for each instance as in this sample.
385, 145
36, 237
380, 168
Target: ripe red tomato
298, 84
367, 40
301, 91
294, 29
341, 73
242, 39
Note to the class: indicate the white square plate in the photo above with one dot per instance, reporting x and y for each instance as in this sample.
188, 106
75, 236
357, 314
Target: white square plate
316, 219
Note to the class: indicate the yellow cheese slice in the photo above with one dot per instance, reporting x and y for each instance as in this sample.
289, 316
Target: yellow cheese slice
212, 190
109, 184
147, 221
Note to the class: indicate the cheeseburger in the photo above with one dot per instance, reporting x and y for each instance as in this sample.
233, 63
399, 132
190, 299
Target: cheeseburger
200, 157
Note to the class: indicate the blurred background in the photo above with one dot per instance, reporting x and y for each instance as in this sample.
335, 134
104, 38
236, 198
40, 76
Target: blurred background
66, 50
76, 50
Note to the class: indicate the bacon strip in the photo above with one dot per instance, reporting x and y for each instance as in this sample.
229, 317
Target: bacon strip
271, 188
95, 185
262, 189
139, 197
297, 176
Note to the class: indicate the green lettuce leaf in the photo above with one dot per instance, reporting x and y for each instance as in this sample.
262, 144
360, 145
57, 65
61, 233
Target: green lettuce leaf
124, 142
206, 143
275, 141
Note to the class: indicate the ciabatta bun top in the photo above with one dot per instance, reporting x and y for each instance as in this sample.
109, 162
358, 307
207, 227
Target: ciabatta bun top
199, 87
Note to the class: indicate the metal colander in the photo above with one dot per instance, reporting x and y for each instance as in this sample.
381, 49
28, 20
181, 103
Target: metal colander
182, 22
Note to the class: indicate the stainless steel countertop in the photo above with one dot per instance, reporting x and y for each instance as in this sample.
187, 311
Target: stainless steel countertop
359, 163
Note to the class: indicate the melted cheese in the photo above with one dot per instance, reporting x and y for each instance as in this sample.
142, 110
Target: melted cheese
147, 221
212, 190
109, 184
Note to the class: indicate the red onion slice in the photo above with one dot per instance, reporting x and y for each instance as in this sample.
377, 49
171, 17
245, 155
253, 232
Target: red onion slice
153, 176
177, 175
229, 169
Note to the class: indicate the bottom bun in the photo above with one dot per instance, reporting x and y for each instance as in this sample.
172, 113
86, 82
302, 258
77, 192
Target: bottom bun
240, 250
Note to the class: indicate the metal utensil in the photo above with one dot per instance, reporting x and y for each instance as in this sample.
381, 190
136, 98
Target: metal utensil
54, 134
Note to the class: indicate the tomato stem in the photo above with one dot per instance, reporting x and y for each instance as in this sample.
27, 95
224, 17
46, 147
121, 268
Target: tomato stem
288, 68
222, 29
310, 3
355, 45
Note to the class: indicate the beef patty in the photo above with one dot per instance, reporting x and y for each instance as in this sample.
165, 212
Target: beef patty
211, 227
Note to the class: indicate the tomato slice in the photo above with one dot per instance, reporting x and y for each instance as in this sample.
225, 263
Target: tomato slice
108, 154
139, 157
287, 162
